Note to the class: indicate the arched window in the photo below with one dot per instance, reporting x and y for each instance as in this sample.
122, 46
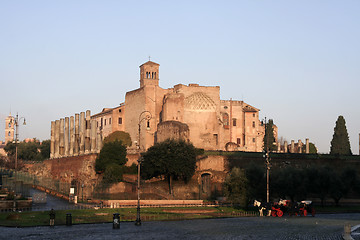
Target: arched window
226, 120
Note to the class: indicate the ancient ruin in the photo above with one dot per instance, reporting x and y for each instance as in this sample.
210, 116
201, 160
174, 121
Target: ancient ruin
75, 136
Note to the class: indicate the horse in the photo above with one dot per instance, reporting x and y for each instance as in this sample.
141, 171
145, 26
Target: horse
262, 207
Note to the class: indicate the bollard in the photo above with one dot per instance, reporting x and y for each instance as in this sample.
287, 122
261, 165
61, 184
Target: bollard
68, 219
116, 221
52, 218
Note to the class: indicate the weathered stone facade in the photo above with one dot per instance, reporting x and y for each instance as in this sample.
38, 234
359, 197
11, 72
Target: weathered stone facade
194, 113
75, 136
191, 112
9, 128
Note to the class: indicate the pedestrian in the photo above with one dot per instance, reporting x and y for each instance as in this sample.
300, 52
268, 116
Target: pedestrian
52, 217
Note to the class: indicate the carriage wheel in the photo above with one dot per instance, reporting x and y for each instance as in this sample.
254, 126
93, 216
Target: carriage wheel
305, 213
279, 213
313, 212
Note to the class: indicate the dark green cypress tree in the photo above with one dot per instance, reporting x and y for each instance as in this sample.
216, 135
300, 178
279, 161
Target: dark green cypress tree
269, 138
340, 143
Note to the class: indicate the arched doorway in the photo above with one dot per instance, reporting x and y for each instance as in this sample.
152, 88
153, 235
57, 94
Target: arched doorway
206, 183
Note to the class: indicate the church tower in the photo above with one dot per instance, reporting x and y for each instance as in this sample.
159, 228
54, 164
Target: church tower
9, 128
149, 74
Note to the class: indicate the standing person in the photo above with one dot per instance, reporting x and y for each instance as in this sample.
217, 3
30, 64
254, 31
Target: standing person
52, 217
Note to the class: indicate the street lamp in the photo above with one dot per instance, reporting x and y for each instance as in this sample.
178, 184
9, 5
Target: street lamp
16, 123
145, 115
267, 161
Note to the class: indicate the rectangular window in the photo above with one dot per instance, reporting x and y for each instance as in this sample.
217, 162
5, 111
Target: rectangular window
253, 139
120, 120
234, 122
238, 141
104, 122
253, 124
109, 120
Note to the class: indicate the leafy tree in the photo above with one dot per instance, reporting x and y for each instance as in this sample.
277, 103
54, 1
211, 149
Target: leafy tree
311, 175
289, 182
322, 182
124, 137
336, 187
235, 187
45, 149
10, 148
269, 138
29, 151
350, 179
130, 169
111, 152
26, 150
113, 173
312, 148
172, 159
340, 143
256, 182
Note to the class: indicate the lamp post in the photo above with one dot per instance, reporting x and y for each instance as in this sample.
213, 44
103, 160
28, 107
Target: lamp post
16, 123
82, 192
267, 161
145, 115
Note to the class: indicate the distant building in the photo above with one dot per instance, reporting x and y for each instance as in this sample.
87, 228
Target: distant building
9, 128
2, 151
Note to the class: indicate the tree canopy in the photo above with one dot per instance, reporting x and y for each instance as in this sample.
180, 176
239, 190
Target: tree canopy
172, 159
45, 149
235, 187
340, 143
124, 137
31, 151
111, 153
312, 148
269, 138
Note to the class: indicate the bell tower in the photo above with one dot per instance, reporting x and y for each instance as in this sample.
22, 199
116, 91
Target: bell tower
149, 74
9, 128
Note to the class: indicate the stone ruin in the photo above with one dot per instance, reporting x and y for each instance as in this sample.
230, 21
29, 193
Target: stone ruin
75, 136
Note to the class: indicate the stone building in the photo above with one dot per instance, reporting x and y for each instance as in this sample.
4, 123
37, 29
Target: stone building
191, 112
9, 128
153, 114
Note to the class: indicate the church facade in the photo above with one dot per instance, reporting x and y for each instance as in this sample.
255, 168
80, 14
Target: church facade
191, 112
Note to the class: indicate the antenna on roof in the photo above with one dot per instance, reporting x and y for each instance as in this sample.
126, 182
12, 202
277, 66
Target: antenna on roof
149, 58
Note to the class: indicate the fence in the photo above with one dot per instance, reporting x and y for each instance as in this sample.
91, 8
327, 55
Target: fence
21, 182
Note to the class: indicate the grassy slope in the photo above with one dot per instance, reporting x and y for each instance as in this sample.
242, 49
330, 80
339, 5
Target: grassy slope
41, 218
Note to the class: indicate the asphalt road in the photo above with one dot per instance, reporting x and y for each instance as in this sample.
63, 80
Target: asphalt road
323, 226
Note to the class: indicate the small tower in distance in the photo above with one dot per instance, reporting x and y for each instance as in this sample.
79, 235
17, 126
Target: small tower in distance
9, 128
149, 74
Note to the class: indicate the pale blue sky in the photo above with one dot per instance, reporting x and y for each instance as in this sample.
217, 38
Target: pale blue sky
297, 61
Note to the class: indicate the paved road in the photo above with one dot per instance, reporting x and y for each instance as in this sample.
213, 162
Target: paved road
51, 202
323, 226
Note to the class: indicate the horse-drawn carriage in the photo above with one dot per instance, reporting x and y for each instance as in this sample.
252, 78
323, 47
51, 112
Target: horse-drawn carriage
278, 209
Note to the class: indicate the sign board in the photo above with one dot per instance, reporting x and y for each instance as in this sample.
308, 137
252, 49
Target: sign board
72, 190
